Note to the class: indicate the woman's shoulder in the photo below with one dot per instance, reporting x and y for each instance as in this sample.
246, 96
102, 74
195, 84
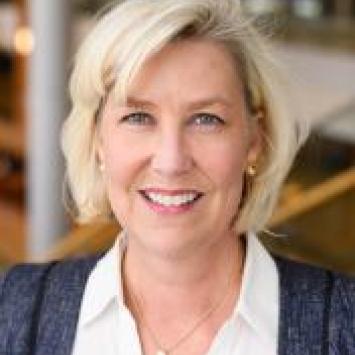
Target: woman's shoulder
20, 280
22, 283
25, 276
30, 294
317, 309
308, 272
303, 276
305, 285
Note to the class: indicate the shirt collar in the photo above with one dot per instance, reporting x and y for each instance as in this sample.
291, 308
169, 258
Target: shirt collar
259, 295
104, 284
258, 302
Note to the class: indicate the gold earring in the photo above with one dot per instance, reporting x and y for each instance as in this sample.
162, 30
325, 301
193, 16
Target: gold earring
251, 170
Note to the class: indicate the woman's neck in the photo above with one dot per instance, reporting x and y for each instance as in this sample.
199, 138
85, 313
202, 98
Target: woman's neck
191, 283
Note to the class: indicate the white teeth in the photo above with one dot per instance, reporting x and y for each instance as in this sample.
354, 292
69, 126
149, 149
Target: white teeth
176, 200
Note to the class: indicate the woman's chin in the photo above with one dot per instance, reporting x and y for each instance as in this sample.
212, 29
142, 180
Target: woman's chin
172, 244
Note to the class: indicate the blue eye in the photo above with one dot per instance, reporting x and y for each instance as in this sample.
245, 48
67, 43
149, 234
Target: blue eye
137, 118
207, 119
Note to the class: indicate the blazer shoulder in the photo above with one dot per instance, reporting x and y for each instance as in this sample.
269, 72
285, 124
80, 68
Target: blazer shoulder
20, 278
23, 279
2, 280
342, 314
302, 278
323, 302
30, 292
313, 281
344, 284
343, 297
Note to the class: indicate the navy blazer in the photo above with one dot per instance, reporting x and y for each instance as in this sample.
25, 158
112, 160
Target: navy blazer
40, 304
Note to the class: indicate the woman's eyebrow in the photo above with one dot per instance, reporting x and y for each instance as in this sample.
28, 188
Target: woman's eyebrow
204, 102
210, 101
137, 102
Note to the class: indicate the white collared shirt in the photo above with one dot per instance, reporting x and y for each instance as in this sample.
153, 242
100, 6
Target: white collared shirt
106, 326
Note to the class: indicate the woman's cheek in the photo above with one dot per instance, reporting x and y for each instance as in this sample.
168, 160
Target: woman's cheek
225, 160
126, 159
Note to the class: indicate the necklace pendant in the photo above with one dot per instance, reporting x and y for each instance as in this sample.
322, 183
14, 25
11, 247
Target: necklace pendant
161, 352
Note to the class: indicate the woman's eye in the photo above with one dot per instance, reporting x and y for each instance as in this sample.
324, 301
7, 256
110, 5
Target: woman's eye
137, 118
207, 119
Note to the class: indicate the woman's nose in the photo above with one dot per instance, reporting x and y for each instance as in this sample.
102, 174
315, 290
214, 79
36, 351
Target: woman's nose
171, 155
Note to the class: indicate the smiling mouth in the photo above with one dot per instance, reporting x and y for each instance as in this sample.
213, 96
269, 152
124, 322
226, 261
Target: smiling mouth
172, 198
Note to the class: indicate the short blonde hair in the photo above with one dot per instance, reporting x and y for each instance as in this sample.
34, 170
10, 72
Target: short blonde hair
114, 51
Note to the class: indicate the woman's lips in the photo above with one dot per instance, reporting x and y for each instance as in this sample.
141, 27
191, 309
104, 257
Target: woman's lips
172, 201
171, 192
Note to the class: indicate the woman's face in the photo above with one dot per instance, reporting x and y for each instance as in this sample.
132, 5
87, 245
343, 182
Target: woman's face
175, 153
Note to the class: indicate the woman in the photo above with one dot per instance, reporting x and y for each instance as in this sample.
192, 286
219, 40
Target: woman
179, 132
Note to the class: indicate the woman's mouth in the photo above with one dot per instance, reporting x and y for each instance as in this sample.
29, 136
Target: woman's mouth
170, 201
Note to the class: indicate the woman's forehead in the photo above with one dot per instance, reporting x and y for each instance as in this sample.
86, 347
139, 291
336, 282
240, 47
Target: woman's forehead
198, 72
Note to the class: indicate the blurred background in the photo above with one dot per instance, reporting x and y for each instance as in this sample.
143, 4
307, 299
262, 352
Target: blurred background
315, 42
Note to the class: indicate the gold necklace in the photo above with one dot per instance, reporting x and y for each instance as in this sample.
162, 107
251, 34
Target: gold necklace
169, 350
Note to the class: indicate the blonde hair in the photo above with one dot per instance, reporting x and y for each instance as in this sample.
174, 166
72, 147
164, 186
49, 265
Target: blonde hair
114, 51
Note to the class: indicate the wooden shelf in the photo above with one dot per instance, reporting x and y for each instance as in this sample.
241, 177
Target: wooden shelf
12, 138
12, 233
83, 239
299, 202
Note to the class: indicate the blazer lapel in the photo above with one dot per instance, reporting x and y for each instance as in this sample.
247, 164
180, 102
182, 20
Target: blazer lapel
61, 306
303, 293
